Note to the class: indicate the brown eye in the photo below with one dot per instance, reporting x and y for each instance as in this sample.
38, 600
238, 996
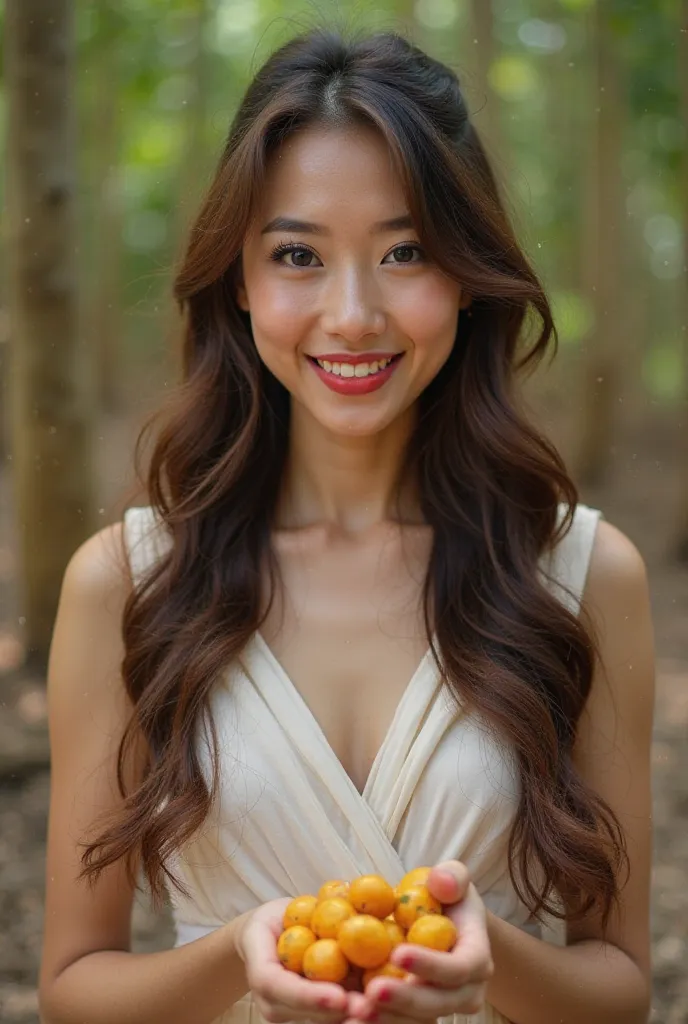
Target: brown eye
302, 257
404, 254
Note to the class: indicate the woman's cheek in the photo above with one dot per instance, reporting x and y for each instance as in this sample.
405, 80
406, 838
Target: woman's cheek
430, 310
279, 339
279, 318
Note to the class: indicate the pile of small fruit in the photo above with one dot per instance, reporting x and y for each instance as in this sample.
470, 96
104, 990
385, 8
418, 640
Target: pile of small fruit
346, 933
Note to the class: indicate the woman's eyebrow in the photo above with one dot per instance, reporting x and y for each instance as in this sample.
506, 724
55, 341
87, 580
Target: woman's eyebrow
307, 227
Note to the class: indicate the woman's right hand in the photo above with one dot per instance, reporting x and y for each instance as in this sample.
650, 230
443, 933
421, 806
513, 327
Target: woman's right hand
281, 995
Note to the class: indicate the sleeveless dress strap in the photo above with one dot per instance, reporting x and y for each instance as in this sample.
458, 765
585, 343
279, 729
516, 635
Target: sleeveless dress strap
145, 540
566, 566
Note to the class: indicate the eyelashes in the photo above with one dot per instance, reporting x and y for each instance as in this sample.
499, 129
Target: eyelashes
282, 248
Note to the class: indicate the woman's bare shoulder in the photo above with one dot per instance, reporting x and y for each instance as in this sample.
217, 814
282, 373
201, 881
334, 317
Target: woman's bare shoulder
614, 734
617, 568
99, 567
617, 601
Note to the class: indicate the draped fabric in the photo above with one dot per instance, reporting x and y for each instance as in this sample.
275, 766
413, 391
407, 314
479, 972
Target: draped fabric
288, 816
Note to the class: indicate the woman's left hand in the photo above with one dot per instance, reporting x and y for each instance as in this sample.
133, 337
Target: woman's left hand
443, 983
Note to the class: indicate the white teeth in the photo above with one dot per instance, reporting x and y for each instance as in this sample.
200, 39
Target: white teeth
353, 369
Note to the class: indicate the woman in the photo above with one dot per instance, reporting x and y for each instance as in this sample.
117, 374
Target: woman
365, 624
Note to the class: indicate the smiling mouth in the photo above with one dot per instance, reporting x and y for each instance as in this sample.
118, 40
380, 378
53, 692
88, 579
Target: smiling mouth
358, 369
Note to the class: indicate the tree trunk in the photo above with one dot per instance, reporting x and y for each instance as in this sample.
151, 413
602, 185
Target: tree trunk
193, 163
487, 103
603, 257
50, 412
4, 388
104, 314
682, 56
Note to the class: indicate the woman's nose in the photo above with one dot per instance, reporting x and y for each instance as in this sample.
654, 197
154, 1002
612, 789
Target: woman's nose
353, 307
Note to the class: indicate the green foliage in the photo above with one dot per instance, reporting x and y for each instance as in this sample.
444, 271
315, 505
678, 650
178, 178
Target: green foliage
515, 78
663, 370
572, 315
173, 112
577, 5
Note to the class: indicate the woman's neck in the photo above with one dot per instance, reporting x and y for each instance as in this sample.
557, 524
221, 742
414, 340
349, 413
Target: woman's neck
349, 483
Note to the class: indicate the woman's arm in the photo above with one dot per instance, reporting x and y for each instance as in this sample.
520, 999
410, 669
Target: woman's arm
537, 983
87, 970
593, 980
192, 984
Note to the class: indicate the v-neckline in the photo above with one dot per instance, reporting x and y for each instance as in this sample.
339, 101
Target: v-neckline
407, 694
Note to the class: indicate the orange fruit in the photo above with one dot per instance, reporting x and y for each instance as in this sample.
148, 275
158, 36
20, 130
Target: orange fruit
364, 941
328, 916
386, 971
396, 934
433, 930
371, 894
292, 945
324, 961
419, 876
300, 911
333, 888
414, 903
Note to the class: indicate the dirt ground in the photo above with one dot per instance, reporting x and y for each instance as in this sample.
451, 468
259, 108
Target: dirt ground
638, 496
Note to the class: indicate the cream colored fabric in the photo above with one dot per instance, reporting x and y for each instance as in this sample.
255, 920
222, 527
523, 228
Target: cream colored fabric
288, 816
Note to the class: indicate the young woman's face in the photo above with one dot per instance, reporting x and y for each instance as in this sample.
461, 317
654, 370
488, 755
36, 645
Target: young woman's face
346, 310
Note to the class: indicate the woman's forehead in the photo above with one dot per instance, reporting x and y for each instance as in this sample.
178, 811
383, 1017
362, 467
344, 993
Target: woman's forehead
320, 175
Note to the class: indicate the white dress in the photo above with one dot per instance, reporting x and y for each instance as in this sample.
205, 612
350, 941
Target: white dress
288, 816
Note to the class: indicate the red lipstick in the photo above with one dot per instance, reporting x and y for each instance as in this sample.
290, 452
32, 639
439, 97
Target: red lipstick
356, 385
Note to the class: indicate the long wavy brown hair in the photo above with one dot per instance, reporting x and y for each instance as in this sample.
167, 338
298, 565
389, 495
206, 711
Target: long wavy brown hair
490, 485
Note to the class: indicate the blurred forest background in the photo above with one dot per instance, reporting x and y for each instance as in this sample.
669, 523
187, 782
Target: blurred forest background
113, 116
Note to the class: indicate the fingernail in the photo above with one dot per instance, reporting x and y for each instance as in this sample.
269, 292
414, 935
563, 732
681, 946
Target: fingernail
406, 962
384, 995
324, 1003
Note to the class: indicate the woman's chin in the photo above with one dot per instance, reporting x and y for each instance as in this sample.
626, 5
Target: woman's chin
354, 426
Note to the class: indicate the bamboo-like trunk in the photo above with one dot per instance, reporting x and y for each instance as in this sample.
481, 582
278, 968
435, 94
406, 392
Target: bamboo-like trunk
50, 408
682, 56
192, 167
487, 116
103, 316
4, 388
603, 257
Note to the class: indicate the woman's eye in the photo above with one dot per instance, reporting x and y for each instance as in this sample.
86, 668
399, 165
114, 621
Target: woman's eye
301, 256
404, 254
